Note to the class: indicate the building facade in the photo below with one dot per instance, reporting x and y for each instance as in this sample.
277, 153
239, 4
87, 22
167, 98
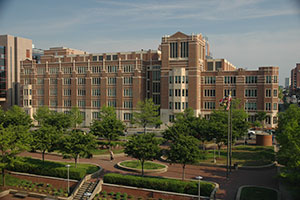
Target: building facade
295, 77
12, 51
179, 75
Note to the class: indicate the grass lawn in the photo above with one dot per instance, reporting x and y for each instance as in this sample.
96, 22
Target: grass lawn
257, 193
137, 165
106, 151
244, 155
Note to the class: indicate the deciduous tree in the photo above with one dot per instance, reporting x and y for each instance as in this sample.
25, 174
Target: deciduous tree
143, 147
147, 114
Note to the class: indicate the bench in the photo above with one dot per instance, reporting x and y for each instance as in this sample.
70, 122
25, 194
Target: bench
22, 195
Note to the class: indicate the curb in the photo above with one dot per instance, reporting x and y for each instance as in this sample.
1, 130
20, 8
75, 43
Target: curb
146, 171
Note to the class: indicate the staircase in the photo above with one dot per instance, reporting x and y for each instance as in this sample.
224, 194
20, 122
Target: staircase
87, 187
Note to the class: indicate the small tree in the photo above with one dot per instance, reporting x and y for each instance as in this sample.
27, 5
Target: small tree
13, 140
147, 114
15, 116
45, 139
108, 125
76, 117
143, 147
76, 144
184, 151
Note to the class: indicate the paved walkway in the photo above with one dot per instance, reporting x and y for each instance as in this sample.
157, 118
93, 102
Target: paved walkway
228, 188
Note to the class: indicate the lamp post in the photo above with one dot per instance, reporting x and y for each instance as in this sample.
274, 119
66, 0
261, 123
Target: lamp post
199, 178
214, 139
68, 167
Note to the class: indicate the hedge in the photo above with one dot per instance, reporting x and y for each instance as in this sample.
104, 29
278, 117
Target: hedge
54, 169
165, 184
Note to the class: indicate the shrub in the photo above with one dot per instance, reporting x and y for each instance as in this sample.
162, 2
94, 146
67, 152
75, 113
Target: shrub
125, 194
55, 169
170, 185
111, 193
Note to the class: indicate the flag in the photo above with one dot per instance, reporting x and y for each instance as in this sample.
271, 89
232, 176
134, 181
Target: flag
226, 101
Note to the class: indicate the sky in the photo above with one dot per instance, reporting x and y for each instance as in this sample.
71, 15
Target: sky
248, 33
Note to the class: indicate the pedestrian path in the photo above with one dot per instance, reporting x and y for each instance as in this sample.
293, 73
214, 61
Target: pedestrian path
228, 188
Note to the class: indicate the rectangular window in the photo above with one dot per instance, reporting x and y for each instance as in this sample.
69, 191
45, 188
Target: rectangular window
268, 79
115, 57
53, 92
171, 79
67, 103
127, 68
41, 70
81, 70
95, 58
127, 104
67, 70
127, 80
27, 71
268, 106
53, 81
127, 92
171, 105
275, 93
81, 103
275, 79
67, 81
156, 99
274, 106
96, 92
111, 92
184, 51
81, 92
53, 70
210, 80
218, 65
171, 118
227, 91
40, 92
229, 79
156, 87
53, 102
112, 69
112, 103
210, 66
67, 92
210, 105
171, 92
173, 50
251, 79
127, 116
250, 106
95, 115
268, 93
96, 81
112, 80
251, 93
209, 93
96, 104
81, 81
96, 69
156, 75
108, 57
100, 58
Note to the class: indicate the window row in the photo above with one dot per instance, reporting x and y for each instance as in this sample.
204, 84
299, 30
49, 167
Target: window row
210, 93
178, 92
178, 79
178, 105
210, 80
210, 105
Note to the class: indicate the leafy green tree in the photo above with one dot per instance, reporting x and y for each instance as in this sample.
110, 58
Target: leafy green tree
13, 140
59, 120
76, 144
76, 117
184, 123
288, 136
184, 151
261, 116
108, 125
45, 139
143, 147
148, 114
15, 116
202, 130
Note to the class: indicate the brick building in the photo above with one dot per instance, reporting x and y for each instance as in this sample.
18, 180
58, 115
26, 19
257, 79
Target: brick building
295, 77
12, 51
179, 75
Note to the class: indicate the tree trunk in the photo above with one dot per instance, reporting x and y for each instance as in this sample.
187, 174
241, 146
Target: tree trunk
43, 155
203, 145
3, 176
142, 163
219, 149
183, 173
76, 161
145, 129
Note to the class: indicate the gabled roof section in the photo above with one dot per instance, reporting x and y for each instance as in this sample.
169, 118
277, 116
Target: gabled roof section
179, 35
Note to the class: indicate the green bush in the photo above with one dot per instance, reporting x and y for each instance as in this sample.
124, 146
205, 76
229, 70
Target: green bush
55, 169
170, 185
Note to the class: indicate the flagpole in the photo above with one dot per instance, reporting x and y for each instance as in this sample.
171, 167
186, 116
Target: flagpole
230, 149
228, 137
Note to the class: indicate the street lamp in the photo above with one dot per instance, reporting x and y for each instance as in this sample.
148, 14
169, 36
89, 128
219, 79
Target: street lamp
199, 178
214, 139
68, 167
